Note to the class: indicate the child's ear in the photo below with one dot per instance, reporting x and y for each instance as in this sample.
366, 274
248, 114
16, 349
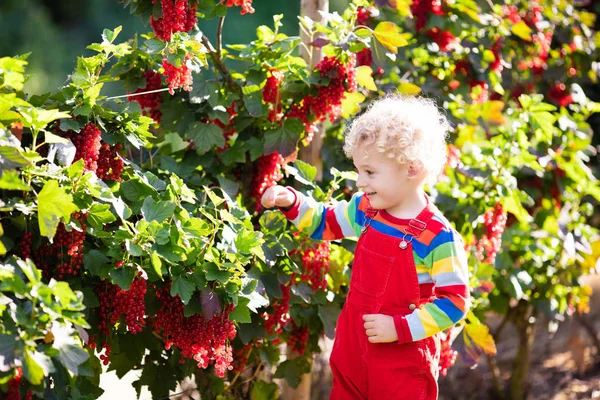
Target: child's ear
415, 169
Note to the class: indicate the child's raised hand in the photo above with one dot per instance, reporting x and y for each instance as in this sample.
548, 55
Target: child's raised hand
277, 196
380, 328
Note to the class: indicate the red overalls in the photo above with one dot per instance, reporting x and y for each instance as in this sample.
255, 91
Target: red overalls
384, 281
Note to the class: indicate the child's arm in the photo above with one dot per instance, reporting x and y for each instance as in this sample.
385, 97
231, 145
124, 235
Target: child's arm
447, 261
314, 218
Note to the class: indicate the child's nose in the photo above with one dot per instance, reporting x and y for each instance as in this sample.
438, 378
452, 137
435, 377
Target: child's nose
360, 181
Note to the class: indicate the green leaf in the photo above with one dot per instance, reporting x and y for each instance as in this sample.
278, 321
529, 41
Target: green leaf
156, 264
136, 189
155, 46
157, 211
7, 350
123, 276
364, 77
306, 170
409, 89
38, 118
214, 198
110, 36
183, 288
196, 228
264, 391
247, 239
292, 370
32, 371
284, 138
253, 101
389, 35
213, 273
193, 307
13, 156
205, 136
71, 357
54, 204
521, 30
95, 261
241, 312
351, 104
329, 314
50, 137
545, 121
11, 180
29, 269
512, 204
99, 215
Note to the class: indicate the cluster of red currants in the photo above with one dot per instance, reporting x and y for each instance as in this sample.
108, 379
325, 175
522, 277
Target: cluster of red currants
177, 16
490, 243
205, 341
178, 77
149, 102
268, 173
275, 323
245, 4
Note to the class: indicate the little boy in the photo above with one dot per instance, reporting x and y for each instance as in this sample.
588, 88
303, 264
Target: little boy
409, 276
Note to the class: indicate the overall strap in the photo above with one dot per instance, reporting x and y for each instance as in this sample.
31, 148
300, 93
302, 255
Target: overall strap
370, 214
419, 223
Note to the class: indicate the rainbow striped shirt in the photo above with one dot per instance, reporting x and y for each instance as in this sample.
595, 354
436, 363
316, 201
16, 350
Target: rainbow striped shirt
439, 255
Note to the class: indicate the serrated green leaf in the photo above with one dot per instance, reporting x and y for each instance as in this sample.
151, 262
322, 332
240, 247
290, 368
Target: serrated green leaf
183, 288
264, 391
54, 204
306, 170
158, 211
285, 138
205, 136
99, 215
292, 370
241, 313
11, 180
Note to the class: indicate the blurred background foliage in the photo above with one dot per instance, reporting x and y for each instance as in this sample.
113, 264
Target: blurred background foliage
57, 31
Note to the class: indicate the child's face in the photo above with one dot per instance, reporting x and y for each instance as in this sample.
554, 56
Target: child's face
387, 184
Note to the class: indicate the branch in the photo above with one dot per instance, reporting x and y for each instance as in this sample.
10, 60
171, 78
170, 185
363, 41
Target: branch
233, 85
219, 36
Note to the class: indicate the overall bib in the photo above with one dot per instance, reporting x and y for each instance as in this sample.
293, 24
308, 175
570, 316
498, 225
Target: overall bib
384, 281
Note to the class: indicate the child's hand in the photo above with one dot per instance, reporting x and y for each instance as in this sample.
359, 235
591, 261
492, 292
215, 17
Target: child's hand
380, 328
277, 196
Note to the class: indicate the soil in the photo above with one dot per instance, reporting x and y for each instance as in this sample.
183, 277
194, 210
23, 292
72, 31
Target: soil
564, 364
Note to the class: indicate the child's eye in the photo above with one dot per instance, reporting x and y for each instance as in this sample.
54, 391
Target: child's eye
369, 172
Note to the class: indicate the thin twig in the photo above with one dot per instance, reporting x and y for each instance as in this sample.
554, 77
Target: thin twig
221, 67
136, 94
258, 368
219, 35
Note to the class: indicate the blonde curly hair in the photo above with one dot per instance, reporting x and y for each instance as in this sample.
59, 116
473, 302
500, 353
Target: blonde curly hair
404, 128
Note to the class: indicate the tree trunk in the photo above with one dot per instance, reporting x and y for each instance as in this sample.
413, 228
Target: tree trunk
312, 55
497, 389
525, 321
302, 391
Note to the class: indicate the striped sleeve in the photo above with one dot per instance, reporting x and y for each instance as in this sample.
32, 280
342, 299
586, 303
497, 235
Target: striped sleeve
326, 223
447, 263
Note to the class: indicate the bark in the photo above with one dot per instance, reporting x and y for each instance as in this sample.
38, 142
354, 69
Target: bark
525, 321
